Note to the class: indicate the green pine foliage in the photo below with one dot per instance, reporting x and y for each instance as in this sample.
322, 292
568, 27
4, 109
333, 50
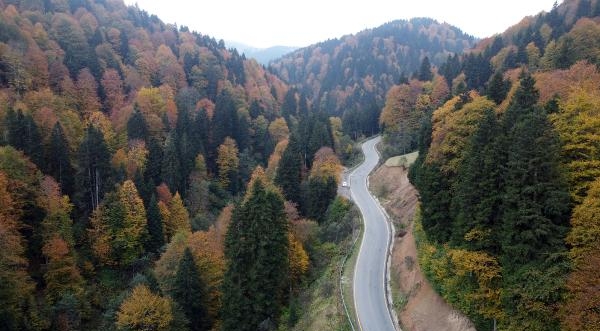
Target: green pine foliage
476, 204
256, 250
289, 172
508, 201
156, 238
190, 293
93, 176
58, 160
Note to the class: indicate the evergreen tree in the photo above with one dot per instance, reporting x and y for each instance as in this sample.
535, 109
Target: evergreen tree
156, 238
289, 172
535, 200
225, 121
23, 134
171, 166
321, 191
190, 293
303, 105
256, 249
58, 160
476, 204
152, 174
136, 125
319, 137
498, 88
289, 106
425, 74
93, 176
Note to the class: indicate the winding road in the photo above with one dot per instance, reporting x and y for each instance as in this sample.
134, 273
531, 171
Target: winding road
370, 281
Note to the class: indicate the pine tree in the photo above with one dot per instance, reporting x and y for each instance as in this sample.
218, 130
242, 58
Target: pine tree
321, 191
190, 293
289, 106
476, 204
535, 200
154, 163
289, 172
23, 134
93, 177
58, 160
171, 166
319, 137
156, 237
136, 125
498, 88
425, 74
256, 249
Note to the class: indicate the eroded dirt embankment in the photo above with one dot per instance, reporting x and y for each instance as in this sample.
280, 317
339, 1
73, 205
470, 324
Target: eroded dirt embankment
418, 306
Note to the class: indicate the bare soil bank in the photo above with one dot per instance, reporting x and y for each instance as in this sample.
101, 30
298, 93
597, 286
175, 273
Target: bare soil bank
418, 306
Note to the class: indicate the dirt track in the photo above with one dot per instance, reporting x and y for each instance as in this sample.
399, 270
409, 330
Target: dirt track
425, 310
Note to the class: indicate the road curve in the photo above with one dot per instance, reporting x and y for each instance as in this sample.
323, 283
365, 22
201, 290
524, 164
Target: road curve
369, 274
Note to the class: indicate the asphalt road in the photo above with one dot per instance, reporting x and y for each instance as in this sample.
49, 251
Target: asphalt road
369, 273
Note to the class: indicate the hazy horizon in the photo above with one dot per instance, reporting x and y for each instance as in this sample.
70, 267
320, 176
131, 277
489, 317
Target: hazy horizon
267, 23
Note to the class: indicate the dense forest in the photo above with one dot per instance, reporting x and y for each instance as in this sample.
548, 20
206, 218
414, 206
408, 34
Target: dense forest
148, 180
153, 179
350, 76
509, 170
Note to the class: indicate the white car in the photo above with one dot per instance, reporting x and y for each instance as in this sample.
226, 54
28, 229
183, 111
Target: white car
345, 184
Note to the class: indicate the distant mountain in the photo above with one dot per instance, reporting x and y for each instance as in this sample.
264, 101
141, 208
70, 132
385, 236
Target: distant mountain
355, 72
262, 55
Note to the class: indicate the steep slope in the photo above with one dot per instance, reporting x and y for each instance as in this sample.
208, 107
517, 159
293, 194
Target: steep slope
508, 172
354, 72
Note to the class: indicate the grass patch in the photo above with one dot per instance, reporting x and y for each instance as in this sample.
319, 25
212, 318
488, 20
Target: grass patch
402, 160
348, 276
321, 302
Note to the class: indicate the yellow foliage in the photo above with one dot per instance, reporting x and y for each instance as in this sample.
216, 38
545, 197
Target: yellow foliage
452, 129
259, 175
578, 125
227, 160
585, 223
276, 157
176, 219
278, 129
326, 165
298, 261
144, 310
207, 249
470, 280
102, 123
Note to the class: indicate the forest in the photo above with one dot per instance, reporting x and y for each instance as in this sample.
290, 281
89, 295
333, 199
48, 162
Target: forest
153, 179
142, 164
508, 172
350, 76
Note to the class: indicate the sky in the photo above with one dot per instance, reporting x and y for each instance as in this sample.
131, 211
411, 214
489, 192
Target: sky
265, 23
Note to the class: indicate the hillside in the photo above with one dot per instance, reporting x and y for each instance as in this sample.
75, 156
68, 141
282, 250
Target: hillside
351, 75
127, 148
262, 55
508, 172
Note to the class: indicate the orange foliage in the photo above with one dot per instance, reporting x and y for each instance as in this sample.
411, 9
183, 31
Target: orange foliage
163, 193
581, 75
87, 92
580, 311
113, 89
208, 106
